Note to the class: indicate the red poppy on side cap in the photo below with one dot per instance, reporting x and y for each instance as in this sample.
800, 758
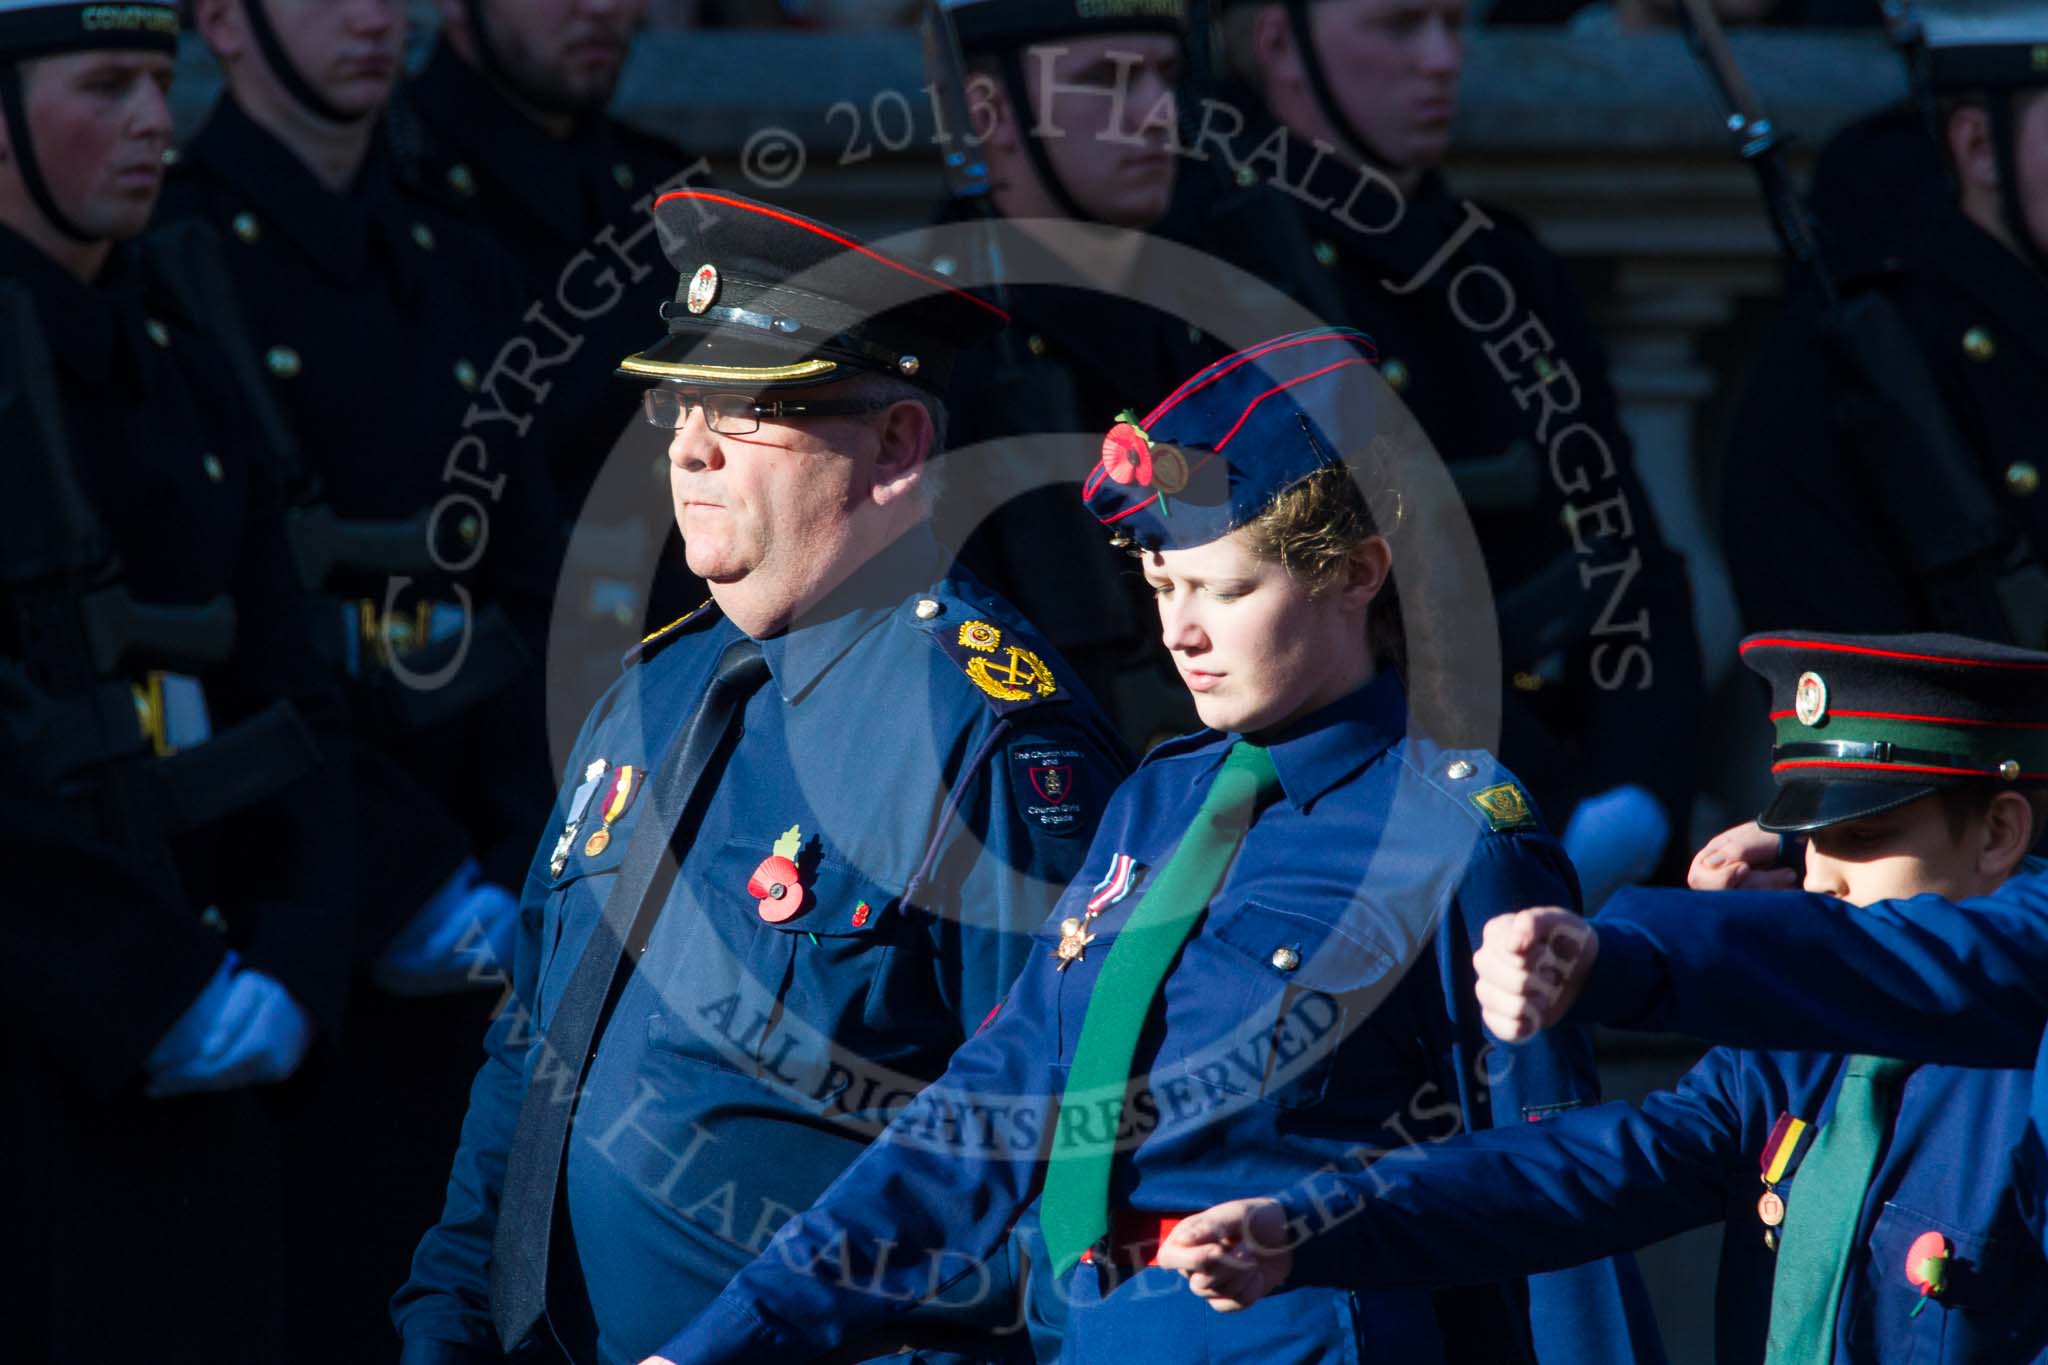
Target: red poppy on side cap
1127, 455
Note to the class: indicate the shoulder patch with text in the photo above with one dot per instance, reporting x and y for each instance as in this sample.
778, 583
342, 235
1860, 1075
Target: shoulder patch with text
1048, 782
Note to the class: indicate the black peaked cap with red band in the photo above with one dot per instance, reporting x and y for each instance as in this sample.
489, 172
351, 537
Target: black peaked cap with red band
1217, 450
1866, 723
769, 299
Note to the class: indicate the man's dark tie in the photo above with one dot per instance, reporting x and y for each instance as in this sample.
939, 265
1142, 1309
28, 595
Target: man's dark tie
533, 1165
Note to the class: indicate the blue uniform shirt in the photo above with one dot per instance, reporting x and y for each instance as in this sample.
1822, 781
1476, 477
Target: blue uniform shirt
1305, 1023
1586, 1184
1965, 984
941, 796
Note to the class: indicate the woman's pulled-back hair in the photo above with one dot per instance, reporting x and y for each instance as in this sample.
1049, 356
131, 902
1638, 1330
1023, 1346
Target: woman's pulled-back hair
1310, 529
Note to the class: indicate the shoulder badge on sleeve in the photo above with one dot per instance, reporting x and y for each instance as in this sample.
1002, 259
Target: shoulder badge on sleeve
705, 612
1475, 780
998, 659
1505, 806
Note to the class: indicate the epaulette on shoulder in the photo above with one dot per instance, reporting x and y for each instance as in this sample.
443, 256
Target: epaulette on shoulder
1477, 784
1003, 661
705, 613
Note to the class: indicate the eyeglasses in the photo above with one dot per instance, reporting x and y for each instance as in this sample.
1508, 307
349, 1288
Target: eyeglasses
736, 414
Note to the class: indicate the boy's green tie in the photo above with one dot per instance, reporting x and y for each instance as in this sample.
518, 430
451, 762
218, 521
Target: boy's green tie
1074, 1209
1826, 1206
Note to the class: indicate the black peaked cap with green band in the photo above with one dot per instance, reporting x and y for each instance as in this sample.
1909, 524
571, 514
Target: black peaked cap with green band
1866, 723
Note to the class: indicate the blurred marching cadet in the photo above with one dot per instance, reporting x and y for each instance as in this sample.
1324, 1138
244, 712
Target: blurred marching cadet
1066, 162
1867, 169
1899, 1215
1913, 407
801, 843
505, 127
431, 552
1262, 968
167, 722
1341, 112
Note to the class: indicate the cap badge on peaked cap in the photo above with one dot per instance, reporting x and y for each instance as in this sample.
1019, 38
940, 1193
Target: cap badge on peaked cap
703, 288
1810, 699
792, 302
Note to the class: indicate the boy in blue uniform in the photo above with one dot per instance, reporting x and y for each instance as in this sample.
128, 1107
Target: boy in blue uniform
801, 843
1896, 1216
1258, 969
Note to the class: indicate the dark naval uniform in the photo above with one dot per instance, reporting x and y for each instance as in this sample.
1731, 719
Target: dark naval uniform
1039, 396
328, 281
175, 1199
573, 216
1810, 434
1084, 356
1319, 1009
376, 315
910, 787
191, 506
1485, 341
1859, 179
1929, 453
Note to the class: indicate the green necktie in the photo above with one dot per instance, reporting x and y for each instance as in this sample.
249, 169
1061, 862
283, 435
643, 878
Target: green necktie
1074, 1210
1826, 1206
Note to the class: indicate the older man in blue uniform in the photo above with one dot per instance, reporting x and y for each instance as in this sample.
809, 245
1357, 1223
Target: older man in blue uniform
1898, 1212
1303, 999
801, 842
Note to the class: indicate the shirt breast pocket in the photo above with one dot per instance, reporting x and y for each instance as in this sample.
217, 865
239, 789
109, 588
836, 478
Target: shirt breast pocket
1270, 1002
825, 971
575, 903
1990, 1307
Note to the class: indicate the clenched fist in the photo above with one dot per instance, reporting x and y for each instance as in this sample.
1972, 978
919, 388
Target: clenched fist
1532, 965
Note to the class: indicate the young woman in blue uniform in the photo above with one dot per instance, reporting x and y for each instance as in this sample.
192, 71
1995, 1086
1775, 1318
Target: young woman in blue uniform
1263, 966
1899, 1214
